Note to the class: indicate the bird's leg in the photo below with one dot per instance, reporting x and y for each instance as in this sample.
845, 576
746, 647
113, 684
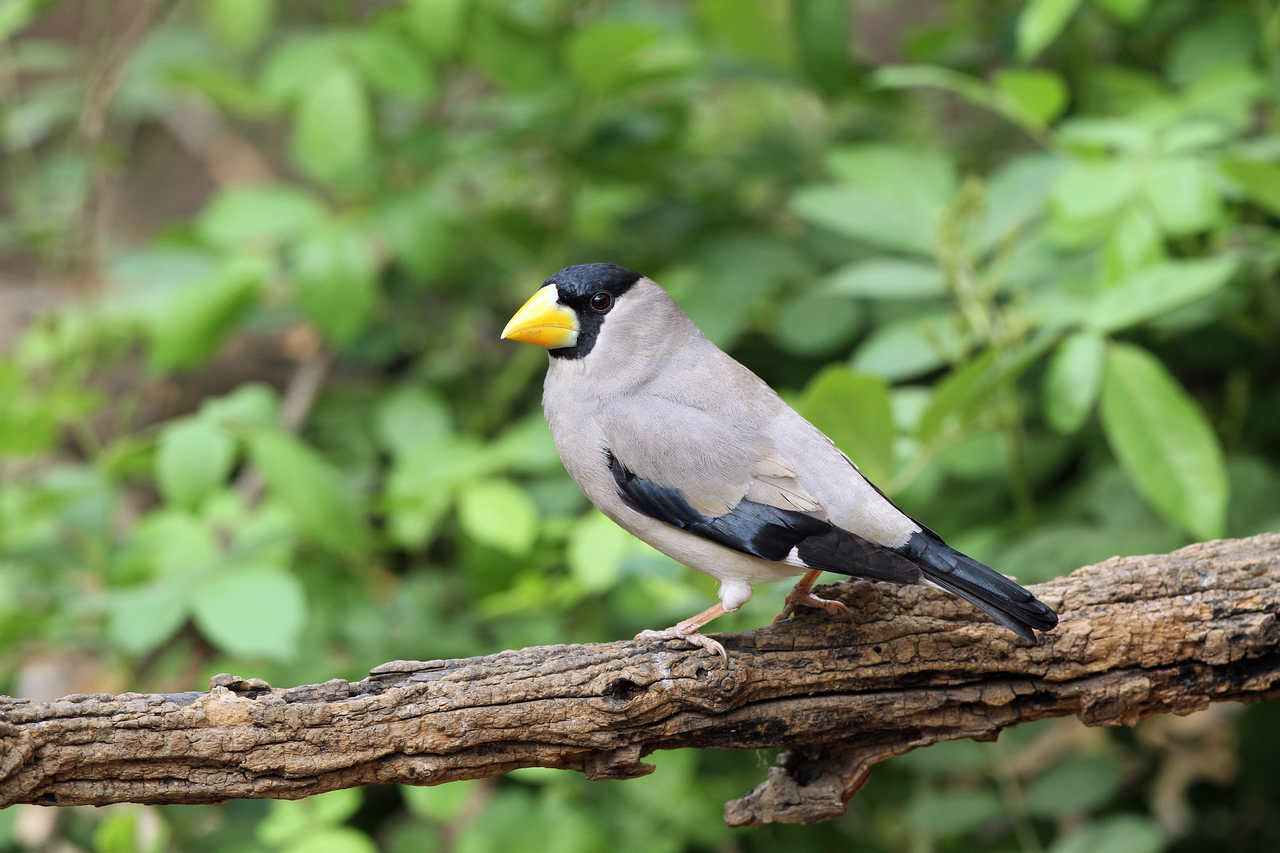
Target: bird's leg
688, 631
802, 596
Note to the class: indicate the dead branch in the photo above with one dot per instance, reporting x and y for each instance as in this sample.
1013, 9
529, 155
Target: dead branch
1139, 636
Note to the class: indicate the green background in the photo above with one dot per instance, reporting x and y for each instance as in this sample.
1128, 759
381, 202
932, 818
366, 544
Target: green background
1020, 260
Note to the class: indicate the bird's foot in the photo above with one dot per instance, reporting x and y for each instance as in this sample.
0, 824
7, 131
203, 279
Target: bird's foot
805, 598
689, 635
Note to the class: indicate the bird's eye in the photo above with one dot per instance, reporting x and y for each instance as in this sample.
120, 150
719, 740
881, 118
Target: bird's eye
601, 302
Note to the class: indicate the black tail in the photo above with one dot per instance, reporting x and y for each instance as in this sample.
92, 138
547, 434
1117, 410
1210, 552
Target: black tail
1001, 599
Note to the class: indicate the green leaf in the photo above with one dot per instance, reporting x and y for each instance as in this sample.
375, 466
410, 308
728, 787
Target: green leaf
240, 24
499, 513
1016, 196
252, 612
297, 63
888, 278
252, 405
411, 417
753, 29
312, 489
1183, 195
970, 88
910, 347
946, 814
1163, 441
1126, 10
1258, 181
1158, 289
193, 459
1134, 243
1072, 381
596, 551
188, 326
118, 833
16, 14
289, 819
822, 35
440, 803
437, 24
610, 53
1115, 834
815, 323
141, 618
1037, 97
1074, 787
261, 215
1091, 190
389, 64
340, 840
891, 196
853, 410
173, 543
332, 127
967, 391
337, 281
1040, 23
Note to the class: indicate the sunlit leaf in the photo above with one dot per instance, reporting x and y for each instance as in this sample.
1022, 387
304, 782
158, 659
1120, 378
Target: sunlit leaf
890, 197
1038, 97
262, 215
887, 278
906, 348
815, 323
340, 840
290, 819
1259, 181
442, 803
141, 618
388, 62
194, 457
1040, 24
437, 24
411, 417
1126, 10
1183, 194
1163, 441
252, 611
312, 489
187, 326
1072, 381
240, 24
1157, 289
853, 410
597, 548
336, 272
499, 513
332, 126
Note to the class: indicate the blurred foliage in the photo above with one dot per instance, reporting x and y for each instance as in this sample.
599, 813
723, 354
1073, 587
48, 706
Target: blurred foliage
1026, 253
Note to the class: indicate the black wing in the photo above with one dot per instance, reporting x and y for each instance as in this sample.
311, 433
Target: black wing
766, 531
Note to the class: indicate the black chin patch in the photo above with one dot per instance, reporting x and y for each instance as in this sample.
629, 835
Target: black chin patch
575, 286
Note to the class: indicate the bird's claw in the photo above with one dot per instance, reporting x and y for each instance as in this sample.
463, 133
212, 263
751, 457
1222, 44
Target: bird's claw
807, 599
693, 638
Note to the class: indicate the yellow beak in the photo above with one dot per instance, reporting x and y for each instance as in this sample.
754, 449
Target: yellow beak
543, 321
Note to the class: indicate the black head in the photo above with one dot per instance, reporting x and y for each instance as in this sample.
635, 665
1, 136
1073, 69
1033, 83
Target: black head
591, 291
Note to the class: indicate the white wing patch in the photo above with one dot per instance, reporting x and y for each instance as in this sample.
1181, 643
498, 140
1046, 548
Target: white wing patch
775, 484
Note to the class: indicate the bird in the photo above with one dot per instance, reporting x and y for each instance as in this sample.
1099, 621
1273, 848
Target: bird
691, 452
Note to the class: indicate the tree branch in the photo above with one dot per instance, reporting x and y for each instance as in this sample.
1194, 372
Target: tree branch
1139, 636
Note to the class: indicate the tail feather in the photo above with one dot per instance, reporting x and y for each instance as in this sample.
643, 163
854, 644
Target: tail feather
1000, 598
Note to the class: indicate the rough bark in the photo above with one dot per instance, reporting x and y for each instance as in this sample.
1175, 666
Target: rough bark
1139, 636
